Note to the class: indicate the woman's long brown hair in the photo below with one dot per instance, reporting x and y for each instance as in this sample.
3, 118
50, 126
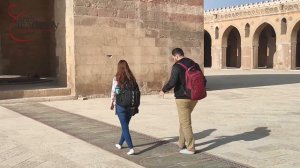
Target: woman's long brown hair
124, 74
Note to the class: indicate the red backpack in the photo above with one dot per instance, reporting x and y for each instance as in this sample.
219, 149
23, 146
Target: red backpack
195, 82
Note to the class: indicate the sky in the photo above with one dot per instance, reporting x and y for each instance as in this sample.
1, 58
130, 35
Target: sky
212, 4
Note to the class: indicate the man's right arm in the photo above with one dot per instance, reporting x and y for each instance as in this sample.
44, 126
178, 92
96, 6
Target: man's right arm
173, 79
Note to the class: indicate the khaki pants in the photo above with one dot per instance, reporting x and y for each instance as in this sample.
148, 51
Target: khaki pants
186, 136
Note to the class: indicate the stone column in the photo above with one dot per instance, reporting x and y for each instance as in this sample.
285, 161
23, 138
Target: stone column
246, 47
282, 56
223, 57
239, 57
216, 53
64, 16
246, 57
293, 55
255, 57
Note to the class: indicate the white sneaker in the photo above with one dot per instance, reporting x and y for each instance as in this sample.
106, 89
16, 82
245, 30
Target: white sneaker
187, 152
118, 146
131, 152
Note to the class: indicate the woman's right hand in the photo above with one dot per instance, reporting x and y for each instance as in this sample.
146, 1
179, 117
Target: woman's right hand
112, 106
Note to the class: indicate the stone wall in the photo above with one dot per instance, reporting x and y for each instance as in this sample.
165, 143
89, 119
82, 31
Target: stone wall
143, 32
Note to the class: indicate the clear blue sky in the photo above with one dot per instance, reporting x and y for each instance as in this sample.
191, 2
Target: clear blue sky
212, 4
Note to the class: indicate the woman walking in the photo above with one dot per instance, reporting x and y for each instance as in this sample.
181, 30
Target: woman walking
124, 88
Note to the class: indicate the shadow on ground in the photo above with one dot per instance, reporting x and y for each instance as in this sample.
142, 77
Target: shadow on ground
256, 134
223, 82
199, 135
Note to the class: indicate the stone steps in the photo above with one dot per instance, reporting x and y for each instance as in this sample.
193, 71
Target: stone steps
37, 99
35, 95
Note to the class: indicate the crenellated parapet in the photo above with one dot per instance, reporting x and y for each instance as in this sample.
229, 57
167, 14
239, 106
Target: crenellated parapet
270, 7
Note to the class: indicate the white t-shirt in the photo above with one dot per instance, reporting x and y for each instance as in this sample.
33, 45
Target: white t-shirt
113, 90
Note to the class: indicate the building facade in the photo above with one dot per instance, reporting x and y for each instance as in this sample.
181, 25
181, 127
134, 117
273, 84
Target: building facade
79, 42
251, 36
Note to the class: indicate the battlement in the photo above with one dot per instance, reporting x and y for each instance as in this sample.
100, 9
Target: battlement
248, 6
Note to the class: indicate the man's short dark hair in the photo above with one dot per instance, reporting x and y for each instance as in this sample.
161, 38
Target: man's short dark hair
178, 51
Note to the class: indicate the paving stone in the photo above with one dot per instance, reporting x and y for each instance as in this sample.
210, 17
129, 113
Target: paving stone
150, 151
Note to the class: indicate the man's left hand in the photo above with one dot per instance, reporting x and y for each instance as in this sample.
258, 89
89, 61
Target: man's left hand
161, 93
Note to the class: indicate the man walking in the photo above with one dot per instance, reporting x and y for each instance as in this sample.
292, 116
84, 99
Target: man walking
185, 104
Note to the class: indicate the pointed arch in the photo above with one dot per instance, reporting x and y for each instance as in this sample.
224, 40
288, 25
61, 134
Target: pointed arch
231, 42
295, 46
207, 49
264, 46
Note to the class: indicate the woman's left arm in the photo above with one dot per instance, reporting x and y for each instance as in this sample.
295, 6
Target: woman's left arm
113, 93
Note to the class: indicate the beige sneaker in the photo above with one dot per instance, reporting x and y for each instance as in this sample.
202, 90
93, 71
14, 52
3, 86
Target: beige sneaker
187, 152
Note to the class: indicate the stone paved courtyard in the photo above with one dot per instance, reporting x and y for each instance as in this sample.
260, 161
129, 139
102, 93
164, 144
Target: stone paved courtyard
249, 118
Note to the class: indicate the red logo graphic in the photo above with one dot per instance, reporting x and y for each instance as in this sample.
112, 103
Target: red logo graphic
15, 18
24, 23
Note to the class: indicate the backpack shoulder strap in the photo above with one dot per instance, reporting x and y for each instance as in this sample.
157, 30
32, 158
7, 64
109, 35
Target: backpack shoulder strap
136, 86
132, 86
183, 66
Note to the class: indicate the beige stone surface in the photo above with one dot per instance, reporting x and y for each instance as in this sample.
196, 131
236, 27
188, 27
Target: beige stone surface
27, 143
232, 112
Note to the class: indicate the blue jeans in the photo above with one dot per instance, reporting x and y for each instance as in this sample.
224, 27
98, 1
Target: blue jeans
124, 117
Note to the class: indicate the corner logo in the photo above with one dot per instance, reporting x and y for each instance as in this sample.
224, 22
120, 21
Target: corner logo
25, 24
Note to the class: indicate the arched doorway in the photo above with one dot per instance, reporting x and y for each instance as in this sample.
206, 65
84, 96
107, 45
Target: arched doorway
295, 41
35, 52
1, 61
232, 43
2, 9
298, 50
207, 49
264, 43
